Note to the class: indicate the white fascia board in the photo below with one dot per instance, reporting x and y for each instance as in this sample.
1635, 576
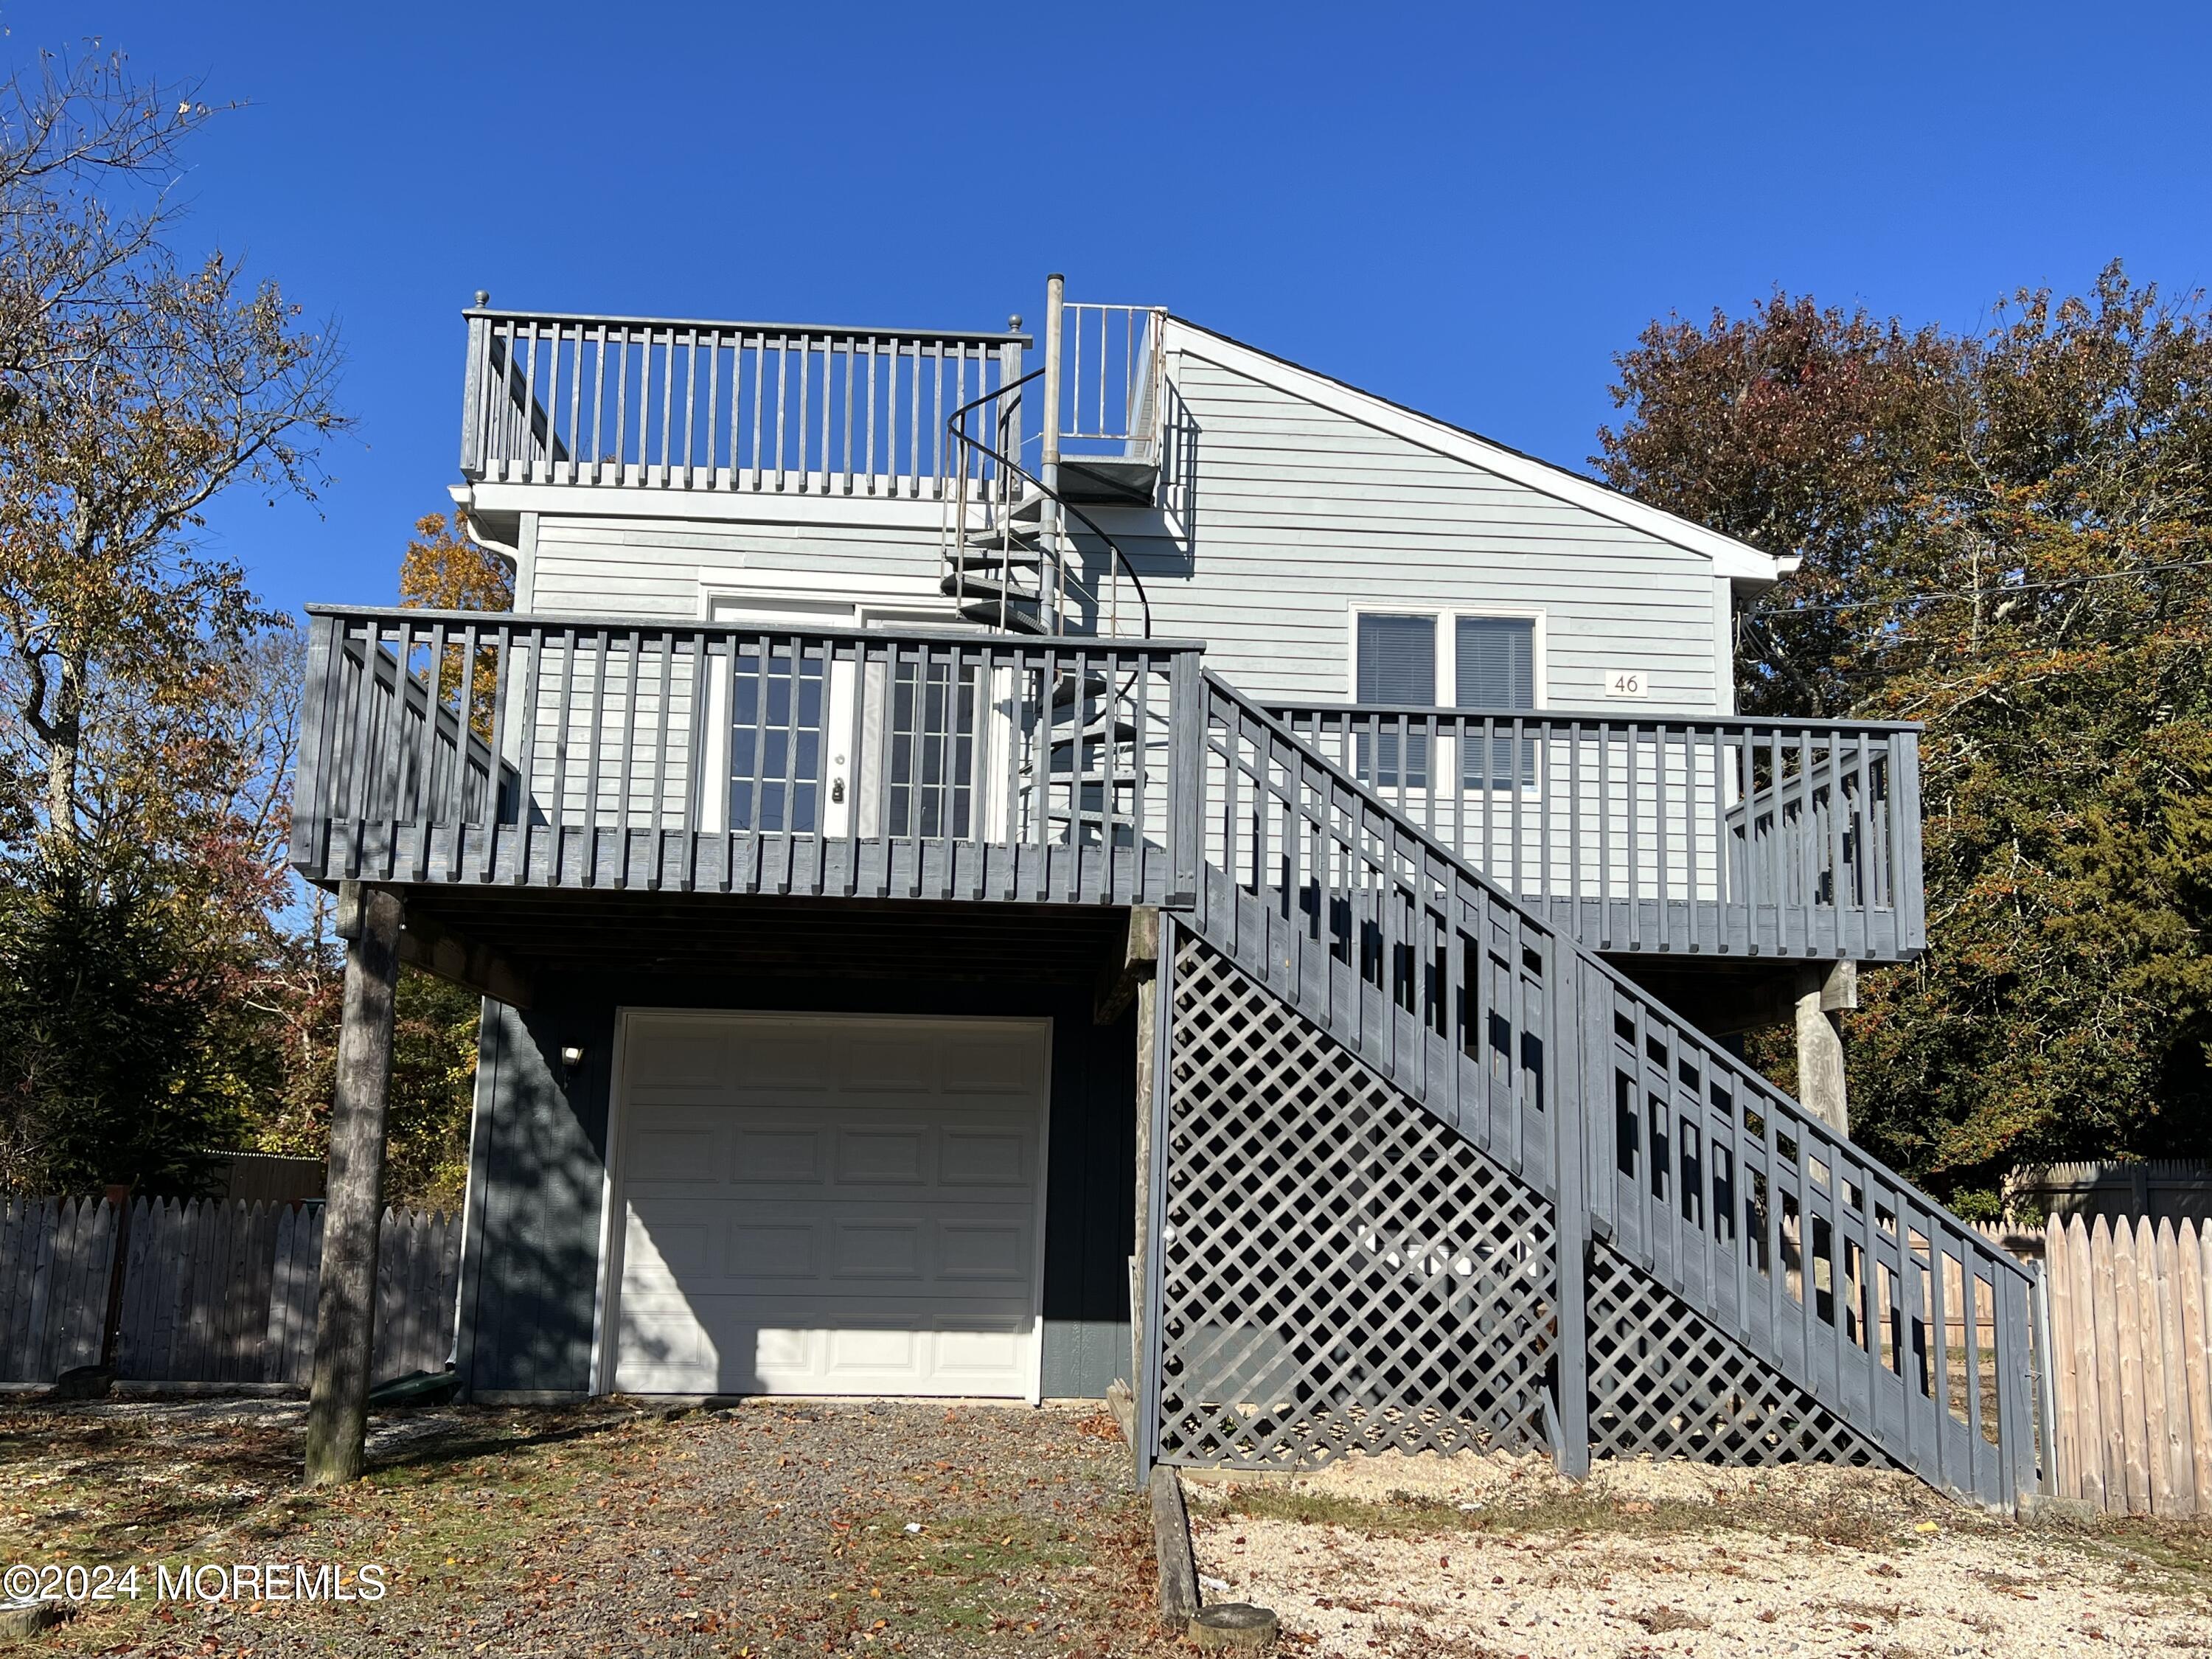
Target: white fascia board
1738, 560
707, 506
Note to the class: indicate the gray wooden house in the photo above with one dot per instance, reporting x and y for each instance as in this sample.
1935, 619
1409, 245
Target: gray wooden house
1000, 863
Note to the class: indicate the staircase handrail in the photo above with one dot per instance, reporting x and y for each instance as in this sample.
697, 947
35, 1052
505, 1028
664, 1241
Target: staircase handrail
1669, 1154
955, 425
1728, 1065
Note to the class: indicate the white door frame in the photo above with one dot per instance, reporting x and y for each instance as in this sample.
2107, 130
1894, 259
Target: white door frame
606, 1299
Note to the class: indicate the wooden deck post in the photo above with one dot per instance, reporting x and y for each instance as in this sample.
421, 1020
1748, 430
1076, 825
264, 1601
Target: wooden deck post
369, 919
1823, 994
1134, 976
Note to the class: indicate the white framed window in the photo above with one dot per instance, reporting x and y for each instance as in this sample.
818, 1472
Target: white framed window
1491, 660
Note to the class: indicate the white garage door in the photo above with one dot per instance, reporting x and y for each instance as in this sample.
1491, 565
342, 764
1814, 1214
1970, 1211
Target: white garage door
826, 1204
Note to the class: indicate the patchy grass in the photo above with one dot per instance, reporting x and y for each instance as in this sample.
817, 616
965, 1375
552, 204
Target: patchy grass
979, 1570
453, 1517
770, 1530
2173, 1555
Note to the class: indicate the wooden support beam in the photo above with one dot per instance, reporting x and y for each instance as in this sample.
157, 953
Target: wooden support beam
370, 920
429, 944
1154, 1018
1138, 961
1147, 994
1823, 993
1178, 1581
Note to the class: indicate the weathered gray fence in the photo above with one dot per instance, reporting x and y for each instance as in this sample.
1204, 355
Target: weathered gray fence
212, 1291
56, 1255
2154, 1190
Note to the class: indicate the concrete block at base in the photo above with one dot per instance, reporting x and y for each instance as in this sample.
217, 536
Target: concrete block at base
2041, 1508
1237, 1626
19, 1619
1124, 1409
84, 1383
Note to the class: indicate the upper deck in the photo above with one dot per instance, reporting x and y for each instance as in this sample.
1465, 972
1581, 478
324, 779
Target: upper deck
712, 411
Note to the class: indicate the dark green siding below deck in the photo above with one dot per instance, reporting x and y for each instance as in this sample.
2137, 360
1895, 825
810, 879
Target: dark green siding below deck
532, 1265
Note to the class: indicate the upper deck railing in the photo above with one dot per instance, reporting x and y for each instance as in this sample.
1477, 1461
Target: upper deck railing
1109, 383
679, 403
1669, 832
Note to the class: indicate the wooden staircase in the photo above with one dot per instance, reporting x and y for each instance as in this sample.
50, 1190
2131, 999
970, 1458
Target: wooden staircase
1723, 1277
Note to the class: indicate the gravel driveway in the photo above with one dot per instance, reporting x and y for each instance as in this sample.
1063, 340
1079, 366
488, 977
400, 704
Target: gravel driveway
768, 1529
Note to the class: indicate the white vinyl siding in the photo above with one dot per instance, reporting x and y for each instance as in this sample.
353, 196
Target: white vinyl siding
671, 568
1290, 509
1278, 514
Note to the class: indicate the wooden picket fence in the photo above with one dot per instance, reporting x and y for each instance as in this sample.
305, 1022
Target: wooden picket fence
212, 1291
2131, 1364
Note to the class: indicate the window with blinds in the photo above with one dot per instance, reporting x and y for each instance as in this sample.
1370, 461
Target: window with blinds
1494, 666
1396, 665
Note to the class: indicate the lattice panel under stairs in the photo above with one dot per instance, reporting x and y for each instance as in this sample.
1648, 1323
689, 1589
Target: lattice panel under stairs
1664, 1383
1340, 1271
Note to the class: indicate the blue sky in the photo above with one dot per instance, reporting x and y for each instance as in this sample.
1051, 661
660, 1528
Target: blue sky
1467, 208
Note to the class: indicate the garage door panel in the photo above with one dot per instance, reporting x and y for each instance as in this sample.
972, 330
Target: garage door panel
895, 1063
977, 1155
766, 1062
764, 1250
675, 1056
991, 1062
969, 1356
765, 1156
668, 1248
750, 1351
856, 1212
673, 1154
831, 1247
975, 1252
884, 1156
889, 1249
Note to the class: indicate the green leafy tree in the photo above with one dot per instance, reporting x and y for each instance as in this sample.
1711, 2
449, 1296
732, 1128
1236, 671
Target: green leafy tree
118, 1049
434, 1059
2008, 535
135, 387
446, 568
148, 701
